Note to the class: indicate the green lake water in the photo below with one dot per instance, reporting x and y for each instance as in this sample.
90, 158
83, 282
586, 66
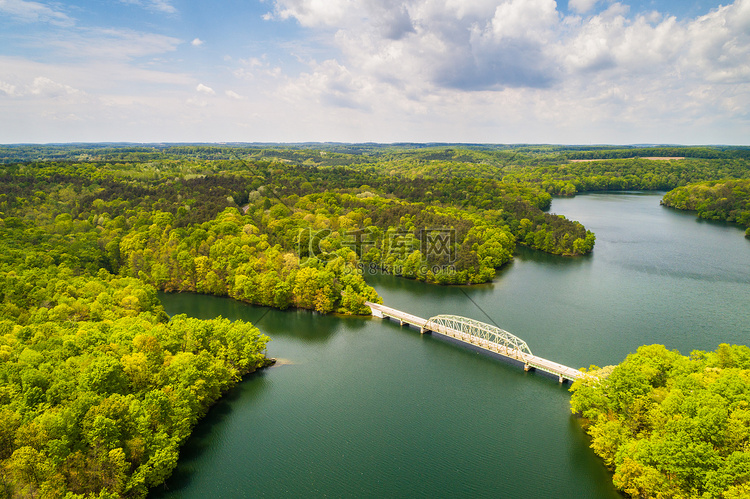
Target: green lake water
360, 407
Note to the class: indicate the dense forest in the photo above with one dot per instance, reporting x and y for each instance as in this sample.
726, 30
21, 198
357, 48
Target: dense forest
672, 426
278, 203
728, 200
99, 387
630, 174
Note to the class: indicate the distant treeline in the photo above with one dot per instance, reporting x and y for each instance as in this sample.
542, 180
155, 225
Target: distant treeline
666, 152
628, 174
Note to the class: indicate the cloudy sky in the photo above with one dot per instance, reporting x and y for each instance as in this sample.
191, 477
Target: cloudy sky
498, 71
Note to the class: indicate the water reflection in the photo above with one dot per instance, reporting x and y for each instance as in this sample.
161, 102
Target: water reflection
206, 433
305, 325
368, 409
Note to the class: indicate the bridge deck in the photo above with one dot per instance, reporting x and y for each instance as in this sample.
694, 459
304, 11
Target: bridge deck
529, 361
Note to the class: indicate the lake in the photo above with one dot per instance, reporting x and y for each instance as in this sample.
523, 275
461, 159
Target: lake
360, 407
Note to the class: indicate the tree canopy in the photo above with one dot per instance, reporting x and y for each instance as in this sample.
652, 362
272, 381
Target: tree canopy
715, 200
99, 388
672, 426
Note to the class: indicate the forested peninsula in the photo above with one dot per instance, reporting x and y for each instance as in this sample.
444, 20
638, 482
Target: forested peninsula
716, 200
671, 426
99, 387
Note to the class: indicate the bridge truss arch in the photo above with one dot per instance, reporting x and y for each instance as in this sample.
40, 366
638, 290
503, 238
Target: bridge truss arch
511, 344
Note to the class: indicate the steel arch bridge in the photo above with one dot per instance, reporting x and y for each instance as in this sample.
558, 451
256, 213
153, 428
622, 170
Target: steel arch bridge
512, 345
481, 335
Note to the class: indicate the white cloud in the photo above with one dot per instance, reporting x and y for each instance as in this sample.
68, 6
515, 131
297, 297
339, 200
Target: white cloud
88, 80
108, 44
475, 45
315, 12
480, 45
399, 70
528, 19
718, 45
582, 6
253, 68
164, 6
197, 42
196, 102
612, 41
94, 78
7, 88
332, 85
45, 87
37, 87
34, 12
646, 70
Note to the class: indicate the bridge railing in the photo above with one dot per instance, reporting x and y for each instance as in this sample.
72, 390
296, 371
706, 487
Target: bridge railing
508, 341
485, 336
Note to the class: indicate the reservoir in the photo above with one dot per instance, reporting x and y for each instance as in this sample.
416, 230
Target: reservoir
360, 407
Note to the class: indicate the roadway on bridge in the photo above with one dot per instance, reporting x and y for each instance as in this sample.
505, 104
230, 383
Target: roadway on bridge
433, 325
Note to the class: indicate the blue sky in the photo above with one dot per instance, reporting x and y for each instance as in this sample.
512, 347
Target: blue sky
499, 71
